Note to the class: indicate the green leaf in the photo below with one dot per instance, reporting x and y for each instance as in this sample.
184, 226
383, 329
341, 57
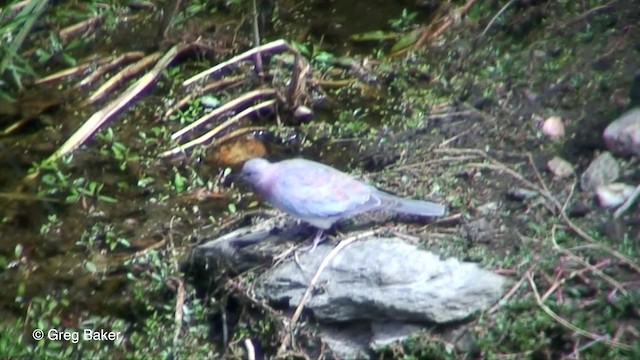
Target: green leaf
377, 35
91, 267
406, 40
18, 250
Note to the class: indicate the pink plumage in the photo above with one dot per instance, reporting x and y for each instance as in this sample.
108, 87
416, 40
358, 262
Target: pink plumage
322, 195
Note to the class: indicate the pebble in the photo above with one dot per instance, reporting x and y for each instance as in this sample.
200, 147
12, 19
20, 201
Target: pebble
559, 167
603, 170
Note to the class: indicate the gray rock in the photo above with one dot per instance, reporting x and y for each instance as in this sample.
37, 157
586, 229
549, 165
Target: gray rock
347, 341
389, 332
622, 136
375, 292
603, 170
384, 279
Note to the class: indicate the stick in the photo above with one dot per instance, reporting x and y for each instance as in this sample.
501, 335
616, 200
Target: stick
105, 114
202, 139
275, 45
231, 105
307, 294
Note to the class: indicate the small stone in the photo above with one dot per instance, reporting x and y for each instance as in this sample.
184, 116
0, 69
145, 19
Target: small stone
622, 136
488, 208
303, 113
603, 170
520, 194
480, 231
553, 127
614, 194
559, 167
578, 210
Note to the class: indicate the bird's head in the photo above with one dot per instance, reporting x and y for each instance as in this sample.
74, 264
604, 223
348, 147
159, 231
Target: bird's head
254, 171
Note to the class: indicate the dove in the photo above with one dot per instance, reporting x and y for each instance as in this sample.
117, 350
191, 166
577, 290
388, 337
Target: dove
321, 195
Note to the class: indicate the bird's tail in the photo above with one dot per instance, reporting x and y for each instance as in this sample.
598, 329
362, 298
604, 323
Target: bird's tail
409, 206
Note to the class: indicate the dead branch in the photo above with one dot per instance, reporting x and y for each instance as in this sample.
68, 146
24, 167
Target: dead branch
80, 28
307, 294
209, 135
570, 326
209, 88
121, 102
232, 105
123, 75
114, 63
272, 46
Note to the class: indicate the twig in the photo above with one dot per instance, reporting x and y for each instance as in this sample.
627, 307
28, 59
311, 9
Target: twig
124, 74
27, 197
423, 164
256, 38
578, 259
206, 137
426, 35
114, 63
72, 71
105, 114
589, 12
576, 353
499, 166
251, 351
153, 246
179, 312
504, 8
307, 294
512, 291
272, 46
569, 325
209, 88
457, 136
76, 29
229, 106
16, 7
230, 284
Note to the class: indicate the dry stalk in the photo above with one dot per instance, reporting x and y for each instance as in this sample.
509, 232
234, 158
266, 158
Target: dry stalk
114, 63
209, 135
314, 280
223, 83
570, 326
272, 46
232, 105
122, 101
499, 166
124, 74
77, 29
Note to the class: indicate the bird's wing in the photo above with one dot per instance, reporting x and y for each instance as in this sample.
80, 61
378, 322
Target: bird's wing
321, 191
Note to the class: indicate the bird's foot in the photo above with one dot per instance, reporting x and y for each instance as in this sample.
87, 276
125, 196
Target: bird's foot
317, 239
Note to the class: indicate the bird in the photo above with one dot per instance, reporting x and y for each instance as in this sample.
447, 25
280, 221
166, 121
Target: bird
321, 195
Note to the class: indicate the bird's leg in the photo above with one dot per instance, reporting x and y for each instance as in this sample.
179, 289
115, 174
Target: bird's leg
317, 239
320, 237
